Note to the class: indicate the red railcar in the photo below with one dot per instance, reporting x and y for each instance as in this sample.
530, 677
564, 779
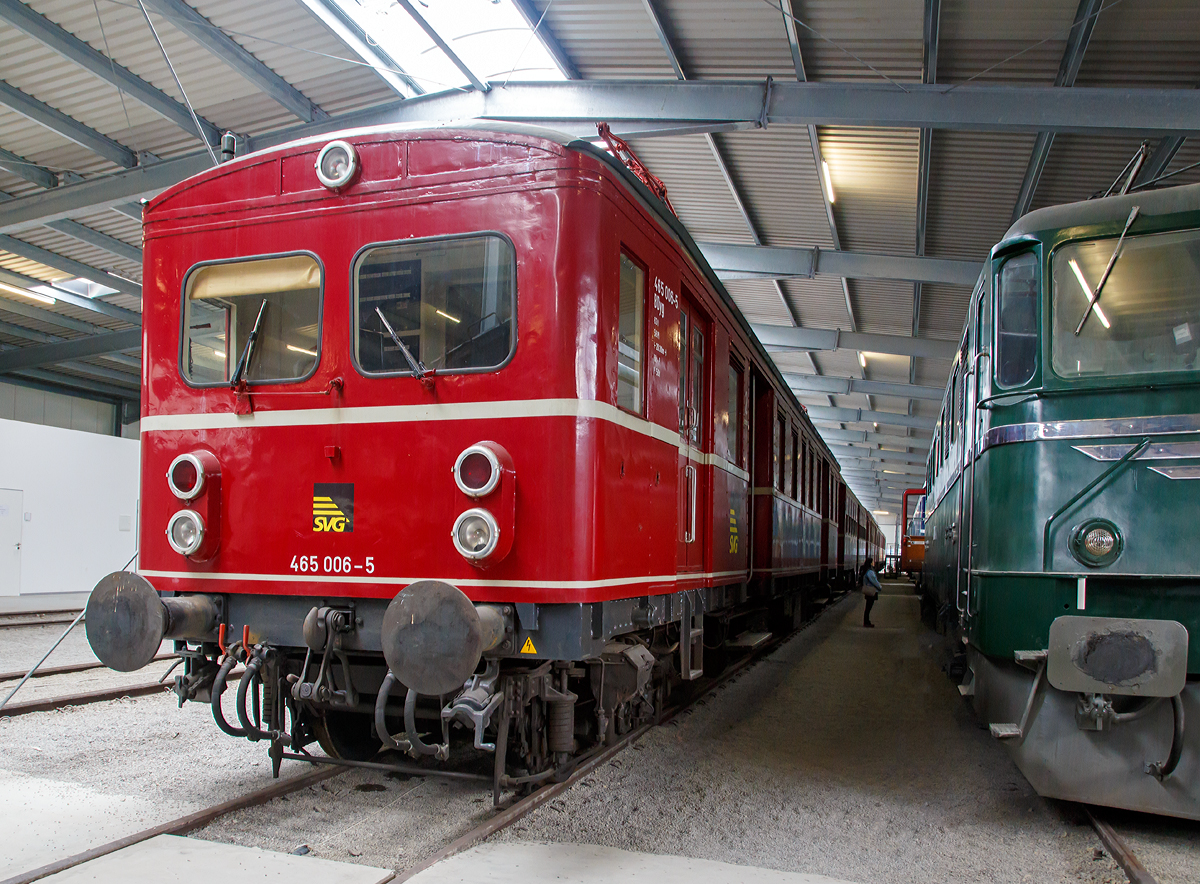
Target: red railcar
455, 426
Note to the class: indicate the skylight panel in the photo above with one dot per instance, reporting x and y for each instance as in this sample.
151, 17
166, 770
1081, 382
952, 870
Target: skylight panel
490, 37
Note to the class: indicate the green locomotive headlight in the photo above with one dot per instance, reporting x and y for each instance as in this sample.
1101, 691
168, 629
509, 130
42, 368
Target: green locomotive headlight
1096, 543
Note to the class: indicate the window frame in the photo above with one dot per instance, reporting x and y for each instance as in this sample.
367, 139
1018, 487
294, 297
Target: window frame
241, 259
1018, 250
626, 251
737, 373
353, 304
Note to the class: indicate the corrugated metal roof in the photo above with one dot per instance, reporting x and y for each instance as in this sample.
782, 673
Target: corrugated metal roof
975, 177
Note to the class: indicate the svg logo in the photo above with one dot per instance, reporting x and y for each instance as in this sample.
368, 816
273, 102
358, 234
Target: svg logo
333, 507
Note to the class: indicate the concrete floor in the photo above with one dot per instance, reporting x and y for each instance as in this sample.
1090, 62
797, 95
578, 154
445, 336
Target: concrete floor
846, 753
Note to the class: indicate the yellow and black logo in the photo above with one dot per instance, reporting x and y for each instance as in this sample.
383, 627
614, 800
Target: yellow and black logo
333, 506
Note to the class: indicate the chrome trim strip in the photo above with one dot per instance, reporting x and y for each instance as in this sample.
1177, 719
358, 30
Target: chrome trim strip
1163, 451
1157, 425
1190, 472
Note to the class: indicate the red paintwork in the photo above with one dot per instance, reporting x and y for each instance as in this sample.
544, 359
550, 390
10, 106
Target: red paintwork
594, 501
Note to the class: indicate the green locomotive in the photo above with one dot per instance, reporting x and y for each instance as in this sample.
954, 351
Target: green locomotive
1064, 490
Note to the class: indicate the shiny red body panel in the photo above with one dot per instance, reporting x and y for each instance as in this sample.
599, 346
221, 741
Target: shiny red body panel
597, 511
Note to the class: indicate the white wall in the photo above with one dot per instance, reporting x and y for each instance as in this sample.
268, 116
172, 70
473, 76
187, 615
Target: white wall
34, 406
80, 489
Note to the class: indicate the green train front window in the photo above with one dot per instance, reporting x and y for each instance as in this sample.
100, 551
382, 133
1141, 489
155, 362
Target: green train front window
1147, 318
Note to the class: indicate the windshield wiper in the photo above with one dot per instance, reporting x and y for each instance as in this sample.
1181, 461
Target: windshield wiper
1107, 270
243, 365
418, 368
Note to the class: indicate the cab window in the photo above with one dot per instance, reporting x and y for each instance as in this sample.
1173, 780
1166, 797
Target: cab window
223, 304
630, 318
1017, 330
445, 304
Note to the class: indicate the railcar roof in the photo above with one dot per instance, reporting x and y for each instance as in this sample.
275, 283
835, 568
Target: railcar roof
1110, 209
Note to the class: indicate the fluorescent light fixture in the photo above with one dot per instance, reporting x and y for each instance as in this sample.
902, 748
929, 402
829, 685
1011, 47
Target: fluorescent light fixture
220, 354
78, 286
828, 182
1087, 290
880, 512
26, 293
862, 358
490, 37
302, 350
448, 316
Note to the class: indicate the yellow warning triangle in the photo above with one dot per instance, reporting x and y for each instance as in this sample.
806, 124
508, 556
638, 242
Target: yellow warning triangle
528, 647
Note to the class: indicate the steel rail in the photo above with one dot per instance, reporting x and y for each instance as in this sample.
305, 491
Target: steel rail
69, 668
589, 763
86, 698
182, 825
15, 623
1120, 851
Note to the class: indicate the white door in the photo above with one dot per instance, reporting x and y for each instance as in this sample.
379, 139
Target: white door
11, 516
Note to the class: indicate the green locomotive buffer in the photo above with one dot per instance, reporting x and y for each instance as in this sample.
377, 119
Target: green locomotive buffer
1082, 500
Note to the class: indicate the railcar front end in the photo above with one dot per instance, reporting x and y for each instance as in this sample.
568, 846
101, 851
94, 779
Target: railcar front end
1064, 470
447, 429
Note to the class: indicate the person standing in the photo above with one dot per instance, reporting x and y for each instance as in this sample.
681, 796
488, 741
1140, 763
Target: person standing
870, 588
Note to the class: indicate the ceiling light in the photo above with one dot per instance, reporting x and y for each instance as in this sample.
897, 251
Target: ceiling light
302, 350
1088, 291
828, 182
26, 293
862, 359
448, 316
880, 512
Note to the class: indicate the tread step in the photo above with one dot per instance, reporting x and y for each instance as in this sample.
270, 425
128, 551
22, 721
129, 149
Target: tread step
1005, 731
750, 640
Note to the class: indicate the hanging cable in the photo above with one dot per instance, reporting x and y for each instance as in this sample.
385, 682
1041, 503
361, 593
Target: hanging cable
195, 119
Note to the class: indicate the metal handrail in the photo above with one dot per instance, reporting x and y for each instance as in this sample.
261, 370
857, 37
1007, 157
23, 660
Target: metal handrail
974, 459
1130, 455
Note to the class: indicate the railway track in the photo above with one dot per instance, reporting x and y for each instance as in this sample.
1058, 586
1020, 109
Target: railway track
103, 695
501, 820
37, 618
67, 669
1119, 850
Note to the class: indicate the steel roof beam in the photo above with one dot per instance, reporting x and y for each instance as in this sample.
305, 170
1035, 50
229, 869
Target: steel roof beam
23, 168
814, 143
846, 386
914, 442
59, 383
95, 305
37, 337
765, 262
536, 21
233, 54
29, 311
722, 166
781, 337
1068, 70
348, 31
68, 265
66, 351
110, 244
698, 104
68, 127
929, 55
876, 454
862, 415
1156, 164
72, 48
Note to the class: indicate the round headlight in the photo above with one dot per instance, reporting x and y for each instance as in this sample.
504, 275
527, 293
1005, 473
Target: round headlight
475, 534
186, 477
185, 532
477, 471
1096, 543
336, 164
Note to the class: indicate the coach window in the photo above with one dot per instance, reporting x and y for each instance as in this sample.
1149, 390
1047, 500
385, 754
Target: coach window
448, 301
781, 453
795, 462
223, 303
733, 417
630, 318
1017, 332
